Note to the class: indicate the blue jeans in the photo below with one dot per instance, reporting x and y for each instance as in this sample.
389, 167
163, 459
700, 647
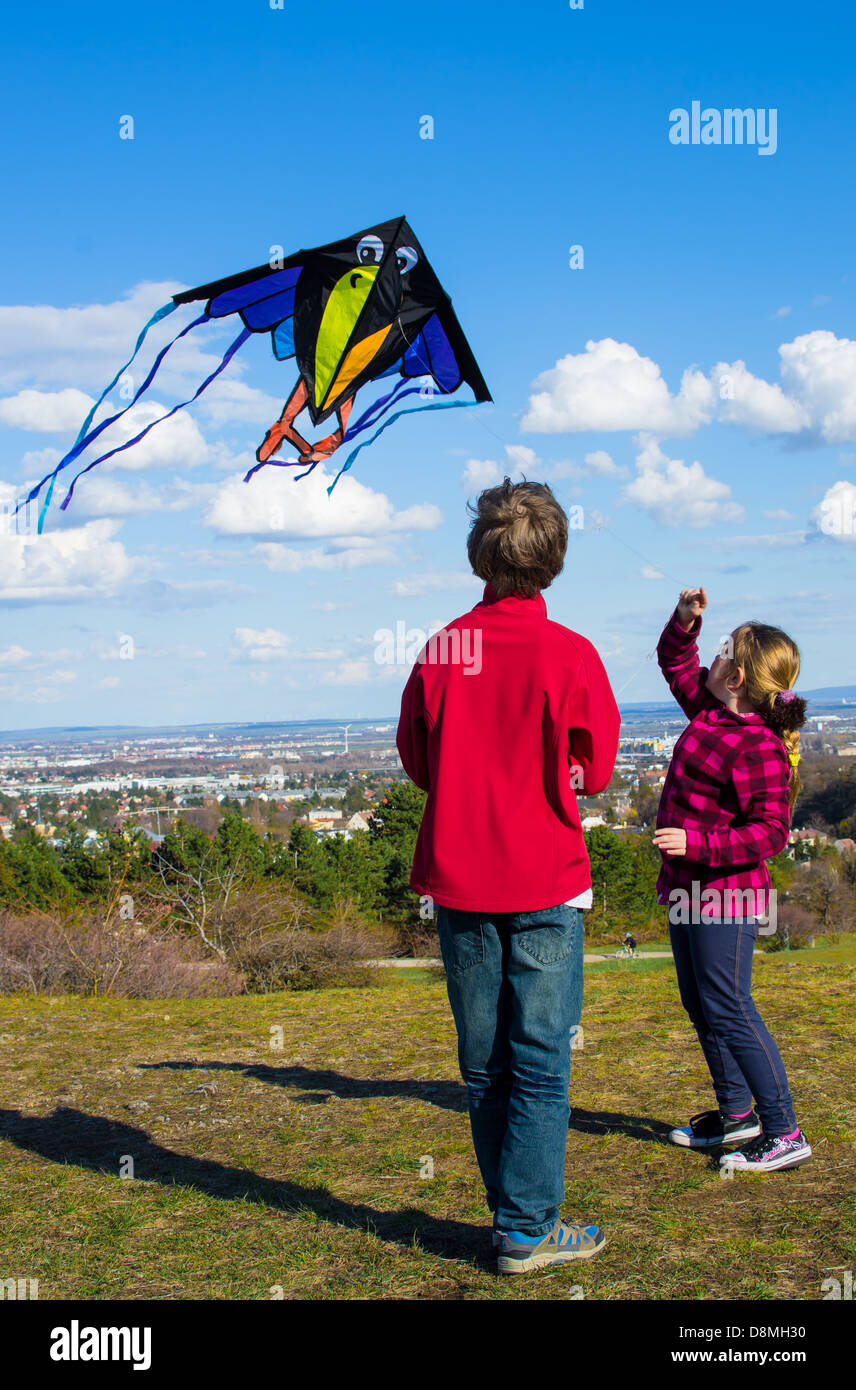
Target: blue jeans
515, 984
713, 961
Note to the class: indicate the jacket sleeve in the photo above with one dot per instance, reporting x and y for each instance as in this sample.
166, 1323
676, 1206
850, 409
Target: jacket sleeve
411, 739
677, 653
760, 784
594, 722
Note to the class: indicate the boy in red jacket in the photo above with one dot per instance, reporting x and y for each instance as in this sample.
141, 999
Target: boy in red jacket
501, 745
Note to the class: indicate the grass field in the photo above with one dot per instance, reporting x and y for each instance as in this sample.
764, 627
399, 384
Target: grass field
262, 1170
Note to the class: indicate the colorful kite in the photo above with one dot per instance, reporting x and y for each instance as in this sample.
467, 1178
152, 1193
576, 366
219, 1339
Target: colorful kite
367, 307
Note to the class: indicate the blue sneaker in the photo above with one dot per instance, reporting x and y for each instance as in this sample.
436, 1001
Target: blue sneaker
520, 1253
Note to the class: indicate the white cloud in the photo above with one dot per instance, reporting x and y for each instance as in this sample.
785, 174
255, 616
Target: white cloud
101, 495
358, 671
44, 345
782, 313
285, 560
173, 443
756, 404
524, 458
649, 572
13, 656
778, 515
481, 473
817, 394
835, 514
50, 412
269, 644
261, 645
678, 494
417, 584
820, 371
777, 540
78, 562
601, 463
611, 387
227, 401
273, 503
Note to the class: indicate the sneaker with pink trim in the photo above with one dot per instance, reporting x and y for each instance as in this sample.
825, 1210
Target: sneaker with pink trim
767, 1153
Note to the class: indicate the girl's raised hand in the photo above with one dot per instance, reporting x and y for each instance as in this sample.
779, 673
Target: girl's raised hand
690, 605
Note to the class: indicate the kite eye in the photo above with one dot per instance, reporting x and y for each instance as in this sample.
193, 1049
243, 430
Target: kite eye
405, 259
370, 250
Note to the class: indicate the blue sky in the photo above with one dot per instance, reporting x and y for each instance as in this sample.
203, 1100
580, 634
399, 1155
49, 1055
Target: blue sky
692, 387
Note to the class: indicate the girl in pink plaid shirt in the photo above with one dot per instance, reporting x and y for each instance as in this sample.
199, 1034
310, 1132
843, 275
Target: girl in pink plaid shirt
725, 810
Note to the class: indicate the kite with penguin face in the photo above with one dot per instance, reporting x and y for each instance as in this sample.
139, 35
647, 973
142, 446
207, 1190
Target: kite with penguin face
349, 313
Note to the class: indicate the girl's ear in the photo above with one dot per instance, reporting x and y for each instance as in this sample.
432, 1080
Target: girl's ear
735, 679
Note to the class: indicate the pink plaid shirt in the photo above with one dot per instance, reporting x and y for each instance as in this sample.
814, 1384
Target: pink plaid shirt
727, 786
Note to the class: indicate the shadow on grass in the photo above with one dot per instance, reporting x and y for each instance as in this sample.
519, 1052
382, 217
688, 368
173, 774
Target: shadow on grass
91, 1141
611, 1122
319, 1086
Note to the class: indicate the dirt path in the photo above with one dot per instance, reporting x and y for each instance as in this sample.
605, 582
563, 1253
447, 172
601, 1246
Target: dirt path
427, 962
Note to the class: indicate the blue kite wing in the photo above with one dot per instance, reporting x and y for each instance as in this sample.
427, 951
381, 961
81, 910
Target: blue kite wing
432, 354
264, 299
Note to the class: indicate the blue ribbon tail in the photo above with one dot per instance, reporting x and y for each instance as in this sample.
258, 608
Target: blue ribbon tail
233, 347
84, 435
411, 410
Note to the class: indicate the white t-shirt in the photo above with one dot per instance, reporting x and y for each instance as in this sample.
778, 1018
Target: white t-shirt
581, 900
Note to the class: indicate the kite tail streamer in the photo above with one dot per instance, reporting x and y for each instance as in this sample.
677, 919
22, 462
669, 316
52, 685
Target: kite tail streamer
120, 448
156, 317
268, 463
85, 436
366, 421
411, 410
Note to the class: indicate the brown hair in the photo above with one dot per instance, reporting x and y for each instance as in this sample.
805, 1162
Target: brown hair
771, 664
518, 538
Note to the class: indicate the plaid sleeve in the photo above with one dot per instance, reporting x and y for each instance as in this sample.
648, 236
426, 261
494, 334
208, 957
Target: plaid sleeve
760, 783
677, 653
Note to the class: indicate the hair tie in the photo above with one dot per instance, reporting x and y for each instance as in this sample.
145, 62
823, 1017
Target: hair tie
784, 697
793, 759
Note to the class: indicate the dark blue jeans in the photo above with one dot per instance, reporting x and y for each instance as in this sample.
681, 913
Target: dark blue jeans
713, 961
515, 983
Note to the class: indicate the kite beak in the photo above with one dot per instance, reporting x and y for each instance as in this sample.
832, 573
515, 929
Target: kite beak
341, 312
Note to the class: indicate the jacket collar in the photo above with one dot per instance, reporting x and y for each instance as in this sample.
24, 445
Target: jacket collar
513, 603
722, 714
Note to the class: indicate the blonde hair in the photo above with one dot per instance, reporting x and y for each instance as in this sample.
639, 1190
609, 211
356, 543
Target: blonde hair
518, 538
771, 664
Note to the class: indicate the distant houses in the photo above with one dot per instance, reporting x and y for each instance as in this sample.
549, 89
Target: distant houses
325, 822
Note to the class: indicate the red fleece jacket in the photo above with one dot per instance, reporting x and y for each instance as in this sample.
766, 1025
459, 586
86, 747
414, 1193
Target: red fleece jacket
505, 714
